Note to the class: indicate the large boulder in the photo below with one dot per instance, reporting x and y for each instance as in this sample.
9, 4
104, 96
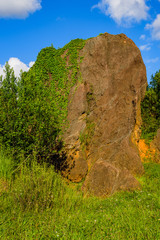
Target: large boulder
104, 116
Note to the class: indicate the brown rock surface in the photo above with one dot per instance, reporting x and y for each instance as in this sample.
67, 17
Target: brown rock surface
103, 112
105, 179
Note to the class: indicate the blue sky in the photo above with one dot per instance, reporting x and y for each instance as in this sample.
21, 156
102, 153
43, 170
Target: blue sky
27, 26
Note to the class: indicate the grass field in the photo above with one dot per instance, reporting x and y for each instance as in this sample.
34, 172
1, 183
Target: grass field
38, 204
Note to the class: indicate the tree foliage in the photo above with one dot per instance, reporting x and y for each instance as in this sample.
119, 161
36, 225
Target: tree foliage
34, 108
151, 108
8, 107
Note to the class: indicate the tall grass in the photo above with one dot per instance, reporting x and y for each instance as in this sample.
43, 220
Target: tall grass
42, 205
6, 164
39, 188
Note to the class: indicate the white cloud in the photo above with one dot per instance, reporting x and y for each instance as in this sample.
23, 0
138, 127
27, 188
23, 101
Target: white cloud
155, 28
145, 47
18, 8
1, 70
17, 66
126, 10
142, 37
31, 64
152, 60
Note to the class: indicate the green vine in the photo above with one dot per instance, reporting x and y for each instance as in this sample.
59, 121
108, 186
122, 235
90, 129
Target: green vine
63, 71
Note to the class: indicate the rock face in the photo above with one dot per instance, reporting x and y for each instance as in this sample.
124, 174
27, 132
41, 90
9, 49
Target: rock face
103, 114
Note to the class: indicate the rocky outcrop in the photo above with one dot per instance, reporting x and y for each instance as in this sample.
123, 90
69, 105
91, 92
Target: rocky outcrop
103, 113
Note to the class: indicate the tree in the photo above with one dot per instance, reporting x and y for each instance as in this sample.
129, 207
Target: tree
151, 108
155, 85
8, 107
29, 114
